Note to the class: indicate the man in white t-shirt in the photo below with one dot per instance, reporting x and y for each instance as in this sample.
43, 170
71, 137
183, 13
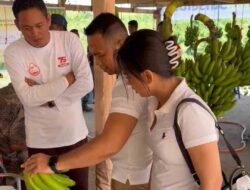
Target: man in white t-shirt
50, 74
131, 165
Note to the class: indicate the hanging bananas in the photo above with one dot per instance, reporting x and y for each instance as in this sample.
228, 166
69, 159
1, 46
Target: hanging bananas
48, 182
191, 34
214, 74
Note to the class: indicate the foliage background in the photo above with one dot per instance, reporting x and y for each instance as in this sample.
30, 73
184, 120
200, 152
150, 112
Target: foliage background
79, 20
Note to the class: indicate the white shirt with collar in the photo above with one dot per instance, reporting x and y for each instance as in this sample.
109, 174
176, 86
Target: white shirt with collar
64, 124
169, 169
133, 161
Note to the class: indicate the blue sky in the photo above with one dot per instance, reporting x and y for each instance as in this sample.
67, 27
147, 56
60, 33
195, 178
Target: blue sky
214, 11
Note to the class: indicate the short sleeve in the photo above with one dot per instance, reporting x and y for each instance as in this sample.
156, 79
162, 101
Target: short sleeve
197, 126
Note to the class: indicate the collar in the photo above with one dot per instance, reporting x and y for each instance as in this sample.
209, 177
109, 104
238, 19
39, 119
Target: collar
175, 97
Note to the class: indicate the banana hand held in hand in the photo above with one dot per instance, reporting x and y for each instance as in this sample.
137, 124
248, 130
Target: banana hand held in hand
47, 181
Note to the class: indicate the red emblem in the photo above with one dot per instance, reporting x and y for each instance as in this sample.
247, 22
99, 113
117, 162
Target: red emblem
62, 61
34, 70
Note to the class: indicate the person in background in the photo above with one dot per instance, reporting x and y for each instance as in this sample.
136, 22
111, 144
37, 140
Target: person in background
159, 27
58, 22
124, 134
13, 149
153, 77
132, 26
89, 97
50, 73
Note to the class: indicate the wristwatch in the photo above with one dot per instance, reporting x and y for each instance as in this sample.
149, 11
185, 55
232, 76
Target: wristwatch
52, 164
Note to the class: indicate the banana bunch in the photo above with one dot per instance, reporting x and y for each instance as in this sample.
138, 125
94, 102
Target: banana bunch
213, 75
47, 181
191, 35
228, 50
240, 56
243, 62
214, 81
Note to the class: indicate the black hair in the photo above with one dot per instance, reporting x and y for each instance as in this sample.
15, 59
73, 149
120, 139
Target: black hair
133, 23
75, 31
105, 24
22, 5
160, 24
59, 20
145, 50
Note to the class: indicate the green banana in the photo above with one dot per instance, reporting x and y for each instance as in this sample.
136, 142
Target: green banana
27, 181
231, 54
218, 65
195, 79
214, 100
39, 183
228, 105
46, 178
246, 54
206, 96
228, 70
63, 179
205, 60
226, 48
210, 90
197, 70
218, 73
231, 80
215, 48
217, 91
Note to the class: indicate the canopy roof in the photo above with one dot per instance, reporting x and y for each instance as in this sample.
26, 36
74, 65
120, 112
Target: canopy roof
160, 3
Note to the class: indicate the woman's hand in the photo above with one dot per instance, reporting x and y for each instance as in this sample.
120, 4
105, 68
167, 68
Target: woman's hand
37, 163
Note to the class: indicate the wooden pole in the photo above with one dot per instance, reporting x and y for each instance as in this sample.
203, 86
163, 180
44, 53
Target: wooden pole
103, 89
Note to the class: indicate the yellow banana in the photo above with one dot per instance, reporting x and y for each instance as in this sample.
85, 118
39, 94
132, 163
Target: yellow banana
172, 7
202, 18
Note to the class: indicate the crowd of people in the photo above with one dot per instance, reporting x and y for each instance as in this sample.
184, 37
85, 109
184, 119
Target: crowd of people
43, 127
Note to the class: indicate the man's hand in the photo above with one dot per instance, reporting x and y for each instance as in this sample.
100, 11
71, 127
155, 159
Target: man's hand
30, 82
70, 78
37, 163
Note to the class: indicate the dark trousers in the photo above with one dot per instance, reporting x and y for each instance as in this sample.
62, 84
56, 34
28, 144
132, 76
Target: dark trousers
80, 176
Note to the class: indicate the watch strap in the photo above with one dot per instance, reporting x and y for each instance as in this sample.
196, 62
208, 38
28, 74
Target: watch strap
52, 164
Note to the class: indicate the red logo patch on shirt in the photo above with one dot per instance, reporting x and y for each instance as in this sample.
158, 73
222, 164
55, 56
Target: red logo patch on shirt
34, 70
62, 61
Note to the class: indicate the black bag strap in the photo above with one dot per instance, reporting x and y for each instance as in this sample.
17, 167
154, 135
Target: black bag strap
181, 144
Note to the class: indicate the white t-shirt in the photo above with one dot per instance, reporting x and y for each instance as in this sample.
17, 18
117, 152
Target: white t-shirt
169, 170
133, 162
63, 124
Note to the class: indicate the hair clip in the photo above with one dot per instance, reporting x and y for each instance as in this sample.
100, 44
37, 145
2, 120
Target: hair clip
173, 50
